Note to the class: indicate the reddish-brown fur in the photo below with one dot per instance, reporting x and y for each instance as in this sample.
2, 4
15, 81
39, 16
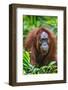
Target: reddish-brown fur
32, 45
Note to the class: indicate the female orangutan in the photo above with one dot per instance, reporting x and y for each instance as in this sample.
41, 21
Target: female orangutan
42, 46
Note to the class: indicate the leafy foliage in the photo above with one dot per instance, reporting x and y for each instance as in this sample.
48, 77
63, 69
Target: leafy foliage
30, 22
30, 69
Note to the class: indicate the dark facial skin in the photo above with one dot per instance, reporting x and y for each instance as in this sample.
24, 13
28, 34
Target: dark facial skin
44, 42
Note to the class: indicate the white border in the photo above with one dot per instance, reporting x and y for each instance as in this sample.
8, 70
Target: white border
41, 77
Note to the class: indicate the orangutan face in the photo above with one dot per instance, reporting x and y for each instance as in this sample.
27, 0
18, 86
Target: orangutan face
44, 42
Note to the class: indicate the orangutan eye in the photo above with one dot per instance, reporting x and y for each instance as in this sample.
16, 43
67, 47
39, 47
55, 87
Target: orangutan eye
44, 40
